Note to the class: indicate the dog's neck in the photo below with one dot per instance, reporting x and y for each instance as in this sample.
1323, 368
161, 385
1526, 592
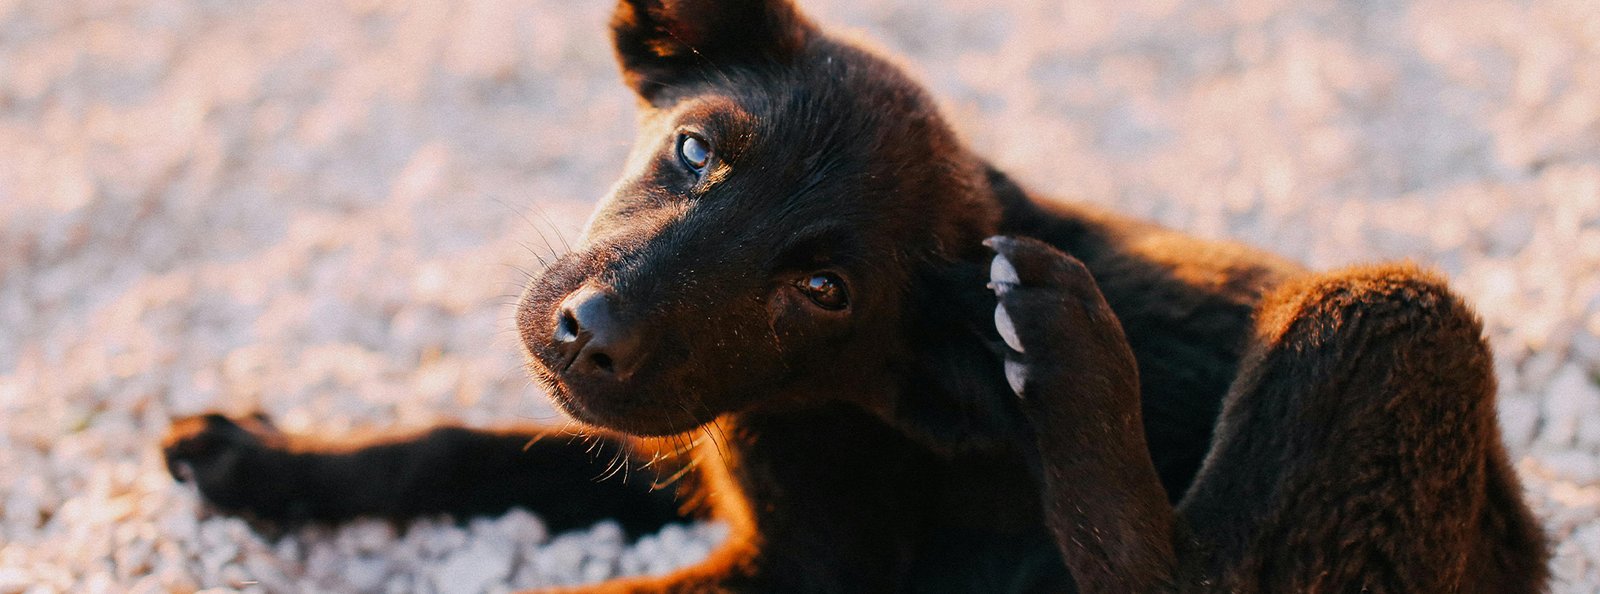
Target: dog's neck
949, 392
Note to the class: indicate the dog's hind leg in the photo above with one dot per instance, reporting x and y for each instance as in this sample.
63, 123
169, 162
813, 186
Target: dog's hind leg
1357, 451
246, 466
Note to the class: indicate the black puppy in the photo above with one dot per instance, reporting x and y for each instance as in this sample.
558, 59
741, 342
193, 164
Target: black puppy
930, 381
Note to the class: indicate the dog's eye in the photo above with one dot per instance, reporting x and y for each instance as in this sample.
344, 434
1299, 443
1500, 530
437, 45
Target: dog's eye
825, 289
694, 152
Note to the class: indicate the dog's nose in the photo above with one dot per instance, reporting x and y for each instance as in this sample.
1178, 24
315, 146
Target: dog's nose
593, 341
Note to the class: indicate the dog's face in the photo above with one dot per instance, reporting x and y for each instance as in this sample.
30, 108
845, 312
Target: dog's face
764, 239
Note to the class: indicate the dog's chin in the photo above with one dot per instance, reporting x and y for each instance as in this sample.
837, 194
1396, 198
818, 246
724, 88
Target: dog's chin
640, 415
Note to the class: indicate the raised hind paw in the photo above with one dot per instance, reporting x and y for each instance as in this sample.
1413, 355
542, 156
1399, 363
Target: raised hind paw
1058, 329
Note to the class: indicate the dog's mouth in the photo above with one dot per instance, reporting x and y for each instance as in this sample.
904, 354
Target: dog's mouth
620, 406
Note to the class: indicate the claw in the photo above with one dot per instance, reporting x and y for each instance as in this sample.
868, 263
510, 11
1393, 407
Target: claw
1016, 374
1008, 331
1001, 271
1002, 275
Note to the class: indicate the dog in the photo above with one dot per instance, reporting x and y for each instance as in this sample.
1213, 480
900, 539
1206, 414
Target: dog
926, 378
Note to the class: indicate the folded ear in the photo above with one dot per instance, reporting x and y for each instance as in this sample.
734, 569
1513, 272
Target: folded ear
665, 42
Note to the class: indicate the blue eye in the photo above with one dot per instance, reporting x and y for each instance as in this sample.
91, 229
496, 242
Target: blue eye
694, 152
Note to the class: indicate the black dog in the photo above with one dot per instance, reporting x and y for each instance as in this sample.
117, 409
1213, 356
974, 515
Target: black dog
928, 380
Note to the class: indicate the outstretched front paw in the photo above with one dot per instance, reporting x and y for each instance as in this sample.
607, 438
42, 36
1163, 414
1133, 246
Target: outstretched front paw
224, 457
1059, 332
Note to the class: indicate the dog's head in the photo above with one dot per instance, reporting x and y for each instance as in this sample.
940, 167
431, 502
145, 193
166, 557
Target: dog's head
765, 239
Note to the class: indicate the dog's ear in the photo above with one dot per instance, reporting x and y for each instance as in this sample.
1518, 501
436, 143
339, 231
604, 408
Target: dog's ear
665, 42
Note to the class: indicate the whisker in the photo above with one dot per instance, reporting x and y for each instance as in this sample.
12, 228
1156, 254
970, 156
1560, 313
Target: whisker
717, 423
717, 445
535, 226
553, 229
613, 467
671, 480
542, 262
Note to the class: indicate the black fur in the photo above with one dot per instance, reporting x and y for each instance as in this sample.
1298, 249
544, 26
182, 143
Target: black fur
1196, 416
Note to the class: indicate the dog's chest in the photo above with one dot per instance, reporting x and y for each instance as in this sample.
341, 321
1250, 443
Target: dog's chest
988, 534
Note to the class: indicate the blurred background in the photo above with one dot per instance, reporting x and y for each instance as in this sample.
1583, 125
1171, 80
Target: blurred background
323, 209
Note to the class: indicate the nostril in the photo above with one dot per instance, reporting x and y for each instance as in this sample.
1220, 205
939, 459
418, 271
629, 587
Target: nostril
591, 338
566, 326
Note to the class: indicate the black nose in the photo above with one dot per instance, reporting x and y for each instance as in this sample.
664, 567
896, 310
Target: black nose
593, 342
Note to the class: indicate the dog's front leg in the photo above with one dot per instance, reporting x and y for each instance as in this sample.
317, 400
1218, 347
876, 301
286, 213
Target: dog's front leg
1071, 365
246, 466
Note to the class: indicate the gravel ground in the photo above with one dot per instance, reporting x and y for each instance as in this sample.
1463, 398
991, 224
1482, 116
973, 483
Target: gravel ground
323, 209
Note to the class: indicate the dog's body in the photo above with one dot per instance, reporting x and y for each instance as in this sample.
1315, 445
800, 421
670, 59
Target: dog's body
797, 256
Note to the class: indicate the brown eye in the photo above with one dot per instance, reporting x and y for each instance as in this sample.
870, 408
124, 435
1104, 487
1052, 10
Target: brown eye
694, 152
825, 289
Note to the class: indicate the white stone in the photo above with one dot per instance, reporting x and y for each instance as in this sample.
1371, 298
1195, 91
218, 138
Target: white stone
523, 527
14, 580
1570, 397
366, 574
473, 569
1519, 417
365, 536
